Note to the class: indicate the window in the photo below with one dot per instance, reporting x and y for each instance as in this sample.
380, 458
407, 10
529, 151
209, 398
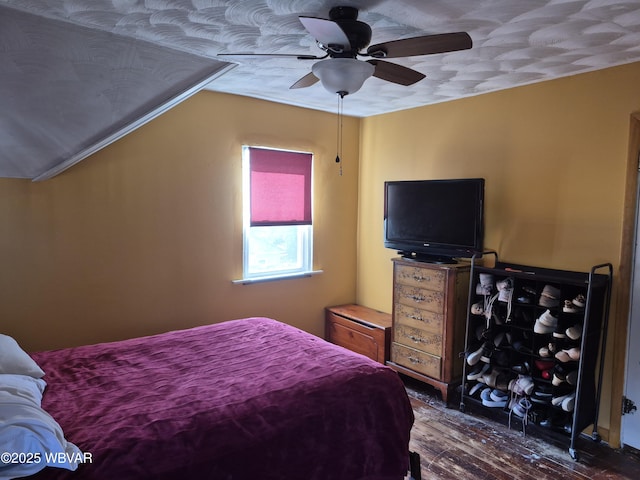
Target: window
278, 229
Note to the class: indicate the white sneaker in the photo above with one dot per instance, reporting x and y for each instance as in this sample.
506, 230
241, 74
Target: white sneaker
548, 319
542, 329
575, 332
487, 401
478, 373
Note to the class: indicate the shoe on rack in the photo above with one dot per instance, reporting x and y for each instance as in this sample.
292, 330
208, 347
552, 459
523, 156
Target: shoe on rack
477, 372
572, 377
547, 374
575, 332
570, 307
523, 385
541, 395
496, 378
544, 352
487, 401
487, 353
498, 395
505, 295
557, 401
486, 279
572, 354
522, 368
580, 301
500, 358
504, 284
499, 339
526, 296
543, 365
550, 297
559, 376
568, 428
476, 388
524, 299
541, 329
563, 356
546, 323
477, 308
521, 407
520, 347
560, 331
547, 319
474, 357
569, 403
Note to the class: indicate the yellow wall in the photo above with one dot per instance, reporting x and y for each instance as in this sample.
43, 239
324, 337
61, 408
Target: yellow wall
146, 235
554, 157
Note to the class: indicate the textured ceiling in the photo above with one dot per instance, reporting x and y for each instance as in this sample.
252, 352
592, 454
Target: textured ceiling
115, 61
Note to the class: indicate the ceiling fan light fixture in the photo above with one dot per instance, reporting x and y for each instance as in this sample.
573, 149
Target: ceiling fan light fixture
342, 75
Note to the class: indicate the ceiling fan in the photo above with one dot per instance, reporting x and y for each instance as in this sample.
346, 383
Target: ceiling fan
343, 38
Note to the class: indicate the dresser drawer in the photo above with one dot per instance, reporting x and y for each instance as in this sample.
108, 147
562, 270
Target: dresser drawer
419, 318
421, 277
419, 339
416, 360
419, 298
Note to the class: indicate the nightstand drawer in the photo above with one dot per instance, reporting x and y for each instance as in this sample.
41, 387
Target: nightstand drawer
420, 277
359, 329
416, 360
420, 339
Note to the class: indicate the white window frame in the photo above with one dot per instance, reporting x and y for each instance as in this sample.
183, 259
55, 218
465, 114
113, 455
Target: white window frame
304, 236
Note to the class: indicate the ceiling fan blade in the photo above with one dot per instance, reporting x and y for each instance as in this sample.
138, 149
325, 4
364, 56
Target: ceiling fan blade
425, 45
327, 32
273, 55
392, 72
306, 81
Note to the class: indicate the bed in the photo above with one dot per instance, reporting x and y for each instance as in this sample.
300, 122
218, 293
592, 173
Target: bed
243, 399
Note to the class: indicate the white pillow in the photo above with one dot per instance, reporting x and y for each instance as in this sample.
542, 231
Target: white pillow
22, 386
15, 360
29, 432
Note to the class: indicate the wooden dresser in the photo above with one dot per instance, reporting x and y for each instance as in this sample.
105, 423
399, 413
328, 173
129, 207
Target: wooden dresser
429, 318
360, 329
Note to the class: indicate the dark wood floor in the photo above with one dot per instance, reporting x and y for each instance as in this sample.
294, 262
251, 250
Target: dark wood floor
458, 446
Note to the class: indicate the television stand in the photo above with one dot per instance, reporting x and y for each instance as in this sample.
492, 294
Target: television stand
429, 258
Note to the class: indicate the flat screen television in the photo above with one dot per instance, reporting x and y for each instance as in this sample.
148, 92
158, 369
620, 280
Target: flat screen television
434, 220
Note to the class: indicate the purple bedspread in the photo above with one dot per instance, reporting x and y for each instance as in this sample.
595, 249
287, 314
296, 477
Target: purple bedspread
244, 399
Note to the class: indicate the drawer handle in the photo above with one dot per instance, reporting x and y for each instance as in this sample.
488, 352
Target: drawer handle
419, 278
416, 317
416, 339
414, 359
418, 298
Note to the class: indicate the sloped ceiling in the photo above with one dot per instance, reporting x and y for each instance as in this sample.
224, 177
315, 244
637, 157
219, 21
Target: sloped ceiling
68, 91
79, 74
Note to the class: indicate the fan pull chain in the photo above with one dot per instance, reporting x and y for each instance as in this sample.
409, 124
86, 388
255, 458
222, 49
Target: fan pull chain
339, 139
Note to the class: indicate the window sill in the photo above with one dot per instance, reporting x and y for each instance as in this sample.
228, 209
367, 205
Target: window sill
271, 278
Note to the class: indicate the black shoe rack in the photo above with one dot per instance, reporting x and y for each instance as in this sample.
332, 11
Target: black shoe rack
535, 347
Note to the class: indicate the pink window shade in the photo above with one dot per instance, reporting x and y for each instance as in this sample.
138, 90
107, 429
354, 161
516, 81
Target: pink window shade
280, 187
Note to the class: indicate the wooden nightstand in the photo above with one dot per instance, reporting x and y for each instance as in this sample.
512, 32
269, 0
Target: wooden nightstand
360, 329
